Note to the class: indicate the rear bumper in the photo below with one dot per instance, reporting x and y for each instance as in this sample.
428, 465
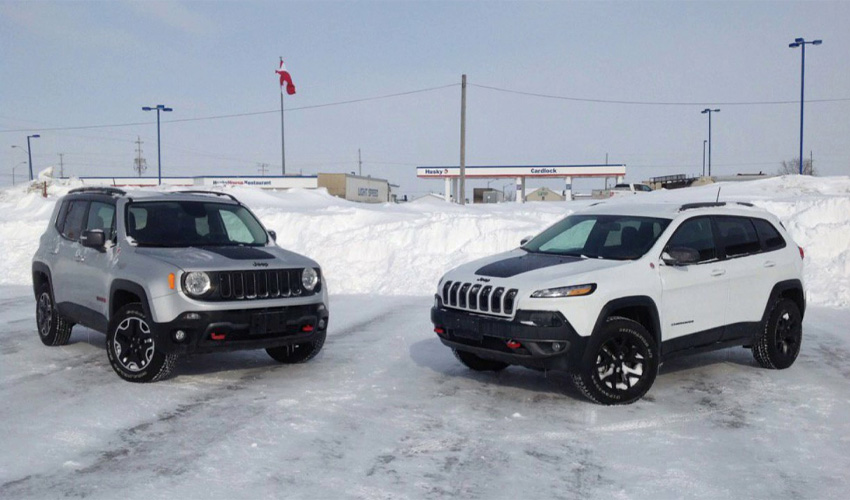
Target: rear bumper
233, 330
546, 339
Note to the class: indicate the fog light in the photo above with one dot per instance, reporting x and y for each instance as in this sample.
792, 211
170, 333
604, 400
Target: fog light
179, 336
191, 316
321, 324
557, 346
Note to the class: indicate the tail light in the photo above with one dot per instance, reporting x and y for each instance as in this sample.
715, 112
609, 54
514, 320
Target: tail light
802, 253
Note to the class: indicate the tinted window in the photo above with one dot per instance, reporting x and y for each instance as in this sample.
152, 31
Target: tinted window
102, 216
770, 237
599, 236
60, 218
193, 223
74, 219
738, 236
696, 234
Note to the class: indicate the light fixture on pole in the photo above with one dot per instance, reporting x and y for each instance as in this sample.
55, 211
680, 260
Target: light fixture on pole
15, 168
799, 42
158, 108
709, 112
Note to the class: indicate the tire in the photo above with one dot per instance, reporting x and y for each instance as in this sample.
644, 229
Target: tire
478, 363
53, 329
298, 353
779, 342
132, 348
620, 364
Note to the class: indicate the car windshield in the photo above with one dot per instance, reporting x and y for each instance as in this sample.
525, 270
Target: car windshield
192, 223
619, 237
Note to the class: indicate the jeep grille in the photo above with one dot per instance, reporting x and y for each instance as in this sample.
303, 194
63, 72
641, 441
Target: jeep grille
473, 297
265, 284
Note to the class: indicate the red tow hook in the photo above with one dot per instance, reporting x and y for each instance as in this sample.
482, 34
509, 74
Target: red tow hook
513, 344
307, 328
217, 336
439, 331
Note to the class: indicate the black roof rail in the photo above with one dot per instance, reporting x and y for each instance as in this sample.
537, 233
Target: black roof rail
99, 189
745, 203
214, 193
705, 204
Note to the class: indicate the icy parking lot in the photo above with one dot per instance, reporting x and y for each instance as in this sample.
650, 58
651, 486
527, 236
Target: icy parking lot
385, 411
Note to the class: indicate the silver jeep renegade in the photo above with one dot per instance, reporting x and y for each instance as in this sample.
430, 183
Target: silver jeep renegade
165, 274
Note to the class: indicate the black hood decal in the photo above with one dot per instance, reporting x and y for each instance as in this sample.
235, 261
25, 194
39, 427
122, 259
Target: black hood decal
523, 264
240, 253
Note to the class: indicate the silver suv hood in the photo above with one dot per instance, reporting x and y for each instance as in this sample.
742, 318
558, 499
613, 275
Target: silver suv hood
227, 257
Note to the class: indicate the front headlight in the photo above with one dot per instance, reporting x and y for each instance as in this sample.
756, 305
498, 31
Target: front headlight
196, 283
309, 278
565, 291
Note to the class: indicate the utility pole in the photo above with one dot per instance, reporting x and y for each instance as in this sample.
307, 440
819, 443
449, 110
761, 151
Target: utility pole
262, 168
359, 163
462, 194
140, 165
61, 165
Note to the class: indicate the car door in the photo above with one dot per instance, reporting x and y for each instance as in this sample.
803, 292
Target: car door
97, 263
749, 270
694, 296
67, 269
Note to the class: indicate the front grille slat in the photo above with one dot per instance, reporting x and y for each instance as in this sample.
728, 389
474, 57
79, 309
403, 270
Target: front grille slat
478, 297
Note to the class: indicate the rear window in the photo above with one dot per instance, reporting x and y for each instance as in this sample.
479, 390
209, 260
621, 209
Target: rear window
739, 236
770, 237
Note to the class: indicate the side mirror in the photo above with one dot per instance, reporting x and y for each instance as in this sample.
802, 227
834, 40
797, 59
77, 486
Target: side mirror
525, 240
273, 234
93, 238
680, 256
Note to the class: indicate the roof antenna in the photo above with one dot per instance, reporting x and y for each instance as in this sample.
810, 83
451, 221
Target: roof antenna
718, 194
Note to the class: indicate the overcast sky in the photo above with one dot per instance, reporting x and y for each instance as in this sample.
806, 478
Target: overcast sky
71, 64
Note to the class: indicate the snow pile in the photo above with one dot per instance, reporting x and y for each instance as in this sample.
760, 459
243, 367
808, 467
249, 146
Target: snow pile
404, 249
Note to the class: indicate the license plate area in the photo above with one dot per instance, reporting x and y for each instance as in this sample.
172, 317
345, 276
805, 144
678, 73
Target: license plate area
466, 328
267, 323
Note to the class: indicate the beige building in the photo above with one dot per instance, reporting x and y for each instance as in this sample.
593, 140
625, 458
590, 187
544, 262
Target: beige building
543, 194
356, 187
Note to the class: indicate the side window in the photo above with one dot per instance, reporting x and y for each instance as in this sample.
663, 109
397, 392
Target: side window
60, 218
74, 219
102, 216
738, 236
695, 233
769, 236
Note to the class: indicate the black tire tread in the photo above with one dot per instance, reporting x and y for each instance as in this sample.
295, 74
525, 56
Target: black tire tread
169, 360
63, 328
761, 346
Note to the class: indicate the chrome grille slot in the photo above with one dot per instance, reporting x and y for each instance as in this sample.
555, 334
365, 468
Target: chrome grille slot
250, 285
473, 296
496, 301
224, 286
274, 284
446, 289
484, 298
453, 293
510, 297
464, 290
239, 285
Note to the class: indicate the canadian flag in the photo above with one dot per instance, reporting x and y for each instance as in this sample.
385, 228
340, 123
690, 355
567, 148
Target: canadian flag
285, 79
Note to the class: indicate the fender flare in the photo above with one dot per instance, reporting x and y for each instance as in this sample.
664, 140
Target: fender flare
42, 268
780, 288
632, 301
122, 285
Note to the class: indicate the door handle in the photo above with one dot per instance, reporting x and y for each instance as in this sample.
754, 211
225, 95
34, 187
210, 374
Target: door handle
769, 263
718, 272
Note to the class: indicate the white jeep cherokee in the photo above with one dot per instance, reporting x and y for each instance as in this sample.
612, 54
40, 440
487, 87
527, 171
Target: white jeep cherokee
610, 292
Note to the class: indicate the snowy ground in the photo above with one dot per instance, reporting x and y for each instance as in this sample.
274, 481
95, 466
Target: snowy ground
386, 412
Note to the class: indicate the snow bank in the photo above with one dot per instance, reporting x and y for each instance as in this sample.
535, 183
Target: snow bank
404, 249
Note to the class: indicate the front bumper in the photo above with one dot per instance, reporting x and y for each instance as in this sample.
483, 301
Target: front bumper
546, 339
239, 329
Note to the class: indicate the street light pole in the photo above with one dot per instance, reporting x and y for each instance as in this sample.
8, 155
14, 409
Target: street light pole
15, 168
800, 42
703, 156
709, 112
29, 149
158, 108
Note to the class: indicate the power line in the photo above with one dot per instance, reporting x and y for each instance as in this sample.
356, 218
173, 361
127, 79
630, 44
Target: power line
238, 115
649, 103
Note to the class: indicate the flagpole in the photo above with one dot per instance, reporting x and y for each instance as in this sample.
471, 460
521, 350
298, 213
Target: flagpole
282, 143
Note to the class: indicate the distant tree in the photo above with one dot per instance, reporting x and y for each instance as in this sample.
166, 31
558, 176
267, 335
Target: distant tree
792, 167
